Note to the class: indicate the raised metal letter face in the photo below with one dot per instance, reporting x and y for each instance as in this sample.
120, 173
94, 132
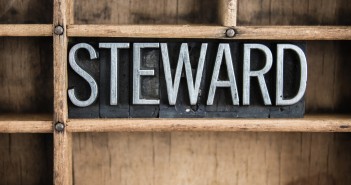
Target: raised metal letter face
184, 58
114, 68
83, 74
247, 74
303, 79
137, 73
223, 49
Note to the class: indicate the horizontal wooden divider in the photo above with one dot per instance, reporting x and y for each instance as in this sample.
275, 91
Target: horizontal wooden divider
213, 32
26, 127
311, 123
25, 30
185, 31
146, 31
294, 32
26, 123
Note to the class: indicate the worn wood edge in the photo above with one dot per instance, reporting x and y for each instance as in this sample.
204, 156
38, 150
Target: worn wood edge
70, 12
328, 123
227, 12
25, 117
25, 30
60, 72
63, 158
294, 32
26, 126
146, 31
213, 32
26, 123
62, 140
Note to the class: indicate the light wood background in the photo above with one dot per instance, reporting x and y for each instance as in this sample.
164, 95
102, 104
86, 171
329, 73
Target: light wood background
26, 87
178, 158
227, 158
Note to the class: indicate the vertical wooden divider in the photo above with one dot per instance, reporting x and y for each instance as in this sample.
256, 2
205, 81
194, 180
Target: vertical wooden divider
227, 13
63, 139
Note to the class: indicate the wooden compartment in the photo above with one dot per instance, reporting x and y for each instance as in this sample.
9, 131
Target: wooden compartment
26, 75
33, 87
328, 76
26, 100
145, 12
26, 159
26, 12
224, 158
294, 12
233, 157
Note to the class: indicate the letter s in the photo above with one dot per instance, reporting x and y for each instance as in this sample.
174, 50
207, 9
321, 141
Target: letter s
83, 74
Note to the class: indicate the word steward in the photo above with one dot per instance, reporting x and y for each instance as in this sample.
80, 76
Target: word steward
178, 79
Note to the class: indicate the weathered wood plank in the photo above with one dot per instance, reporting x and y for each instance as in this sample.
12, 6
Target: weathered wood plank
146, 12
26, 159
26, 92
25, 126
293, 32
25, 75
62, 140
213, 32
294, 12
146, 31
207, 157
25, 123
60, 62
26, 12
22, 30
231, 158
311, 123
227, 13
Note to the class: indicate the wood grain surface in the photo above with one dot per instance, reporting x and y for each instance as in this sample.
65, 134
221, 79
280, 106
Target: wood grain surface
213, 32
26, 92
240, 157
173, 157
25, 72
62, 140
226, 158
25, 30
26, 12
227, 12
26, 123
26, 159
314, 123
145, 12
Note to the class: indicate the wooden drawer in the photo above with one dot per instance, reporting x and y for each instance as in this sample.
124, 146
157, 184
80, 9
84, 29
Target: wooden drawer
33, 97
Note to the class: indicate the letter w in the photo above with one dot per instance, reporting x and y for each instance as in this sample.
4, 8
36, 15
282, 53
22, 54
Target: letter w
172, 88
